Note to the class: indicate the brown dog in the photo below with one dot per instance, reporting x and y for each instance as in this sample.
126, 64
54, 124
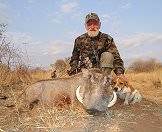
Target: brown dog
125, 91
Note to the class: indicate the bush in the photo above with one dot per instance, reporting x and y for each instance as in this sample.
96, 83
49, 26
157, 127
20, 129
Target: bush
15, 76
145, 65
4, 73
61, 66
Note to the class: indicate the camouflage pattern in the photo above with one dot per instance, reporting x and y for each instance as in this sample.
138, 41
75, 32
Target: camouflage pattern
92, 47
92, 16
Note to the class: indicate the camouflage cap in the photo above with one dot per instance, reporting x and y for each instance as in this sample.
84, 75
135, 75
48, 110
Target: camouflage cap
91, 16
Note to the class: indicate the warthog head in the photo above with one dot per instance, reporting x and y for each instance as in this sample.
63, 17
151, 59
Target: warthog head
95, 93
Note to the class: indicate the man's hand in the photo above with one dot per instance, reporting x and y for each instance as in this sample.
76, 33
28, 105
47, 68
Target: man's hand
119, 72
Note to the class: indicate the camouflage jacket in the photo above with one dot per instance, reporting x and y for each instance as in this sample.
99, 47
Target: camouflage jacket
85, 46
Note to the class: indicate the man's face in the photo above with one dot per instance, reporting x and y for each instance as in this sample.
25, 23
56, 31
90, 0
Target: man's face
92, 27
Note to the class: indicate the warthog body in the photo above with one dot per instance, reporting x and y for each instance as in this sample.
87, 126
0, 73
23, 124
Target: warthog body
94, 90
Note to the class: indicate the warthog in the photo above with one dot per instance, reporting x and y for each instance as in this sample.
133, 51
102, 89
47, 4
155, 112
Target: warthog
89, 87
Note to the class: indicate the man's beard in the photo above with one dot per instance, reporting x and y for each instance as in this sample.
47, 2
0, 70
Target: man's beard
93, 33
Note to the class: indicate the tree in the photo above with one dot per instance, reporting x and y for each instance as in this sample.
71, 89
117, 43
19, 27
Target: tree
11, 64
9, 55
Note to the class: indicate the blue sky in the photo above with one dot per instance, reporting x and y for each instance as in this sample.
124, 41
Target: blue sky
49, 27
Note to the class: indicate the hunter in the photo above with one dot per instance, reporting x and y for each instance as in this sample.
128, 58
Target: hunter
95, 49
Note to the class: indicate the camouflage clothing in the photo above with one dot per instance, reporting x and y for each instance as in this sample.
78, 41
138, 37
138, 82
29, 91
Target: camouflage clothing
92, 47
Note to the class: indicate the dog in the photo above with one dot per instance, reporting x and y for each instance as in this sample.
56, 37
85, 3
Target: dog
125, 91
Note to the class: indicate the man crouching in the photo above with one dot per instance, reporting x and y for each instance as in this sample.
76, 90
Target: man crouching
98, 47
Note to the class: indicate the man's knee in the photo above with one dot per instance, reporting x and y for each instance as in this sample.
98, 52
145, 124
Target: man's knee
106, 62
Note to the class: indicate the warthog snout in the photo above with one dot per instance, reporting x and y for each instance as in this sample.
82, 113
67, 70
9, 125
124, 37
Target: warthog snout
96, 95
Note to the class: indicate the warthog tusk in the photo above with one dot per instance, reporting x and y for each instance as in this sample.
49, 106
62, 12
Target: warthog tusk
78, 95
113, 101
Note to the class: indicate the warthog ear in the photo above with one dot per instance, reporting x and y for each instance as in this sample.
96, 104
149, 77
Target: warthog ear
86, 72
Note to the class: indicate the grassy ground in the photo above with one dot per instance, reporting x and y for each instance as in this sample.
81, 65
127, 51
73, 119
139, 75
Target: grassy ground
145, 116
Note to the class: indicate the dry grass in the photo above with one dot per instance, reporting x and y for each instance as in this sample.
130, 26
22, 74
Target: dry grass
22, 76
40, 75
63, 117
149, 65
150, 84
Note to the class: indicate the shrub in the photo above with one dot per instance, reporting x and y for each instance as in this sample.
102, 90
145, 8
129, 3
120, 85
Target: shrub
145, 65
61, 66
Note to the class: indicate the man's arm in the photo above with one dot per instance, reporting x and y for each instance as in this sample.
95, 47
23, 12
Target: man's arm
74, 58
118, 62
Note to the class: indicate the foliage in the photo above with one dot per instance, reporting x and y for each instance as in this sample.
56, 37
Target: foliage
144, 65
